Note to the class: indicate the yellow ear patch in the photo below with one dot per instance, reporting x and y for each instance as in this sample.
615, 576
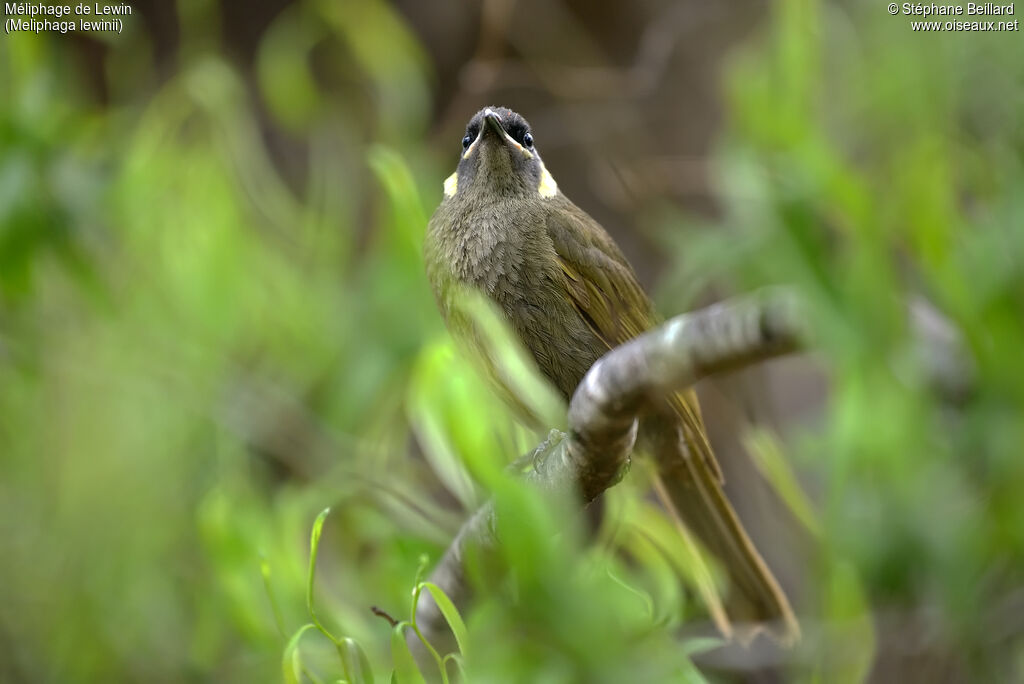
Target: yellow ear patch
451, 185
548, 187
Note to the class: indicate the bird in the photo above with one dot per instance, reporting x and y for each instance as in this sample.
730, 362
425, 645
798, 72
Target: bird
505, 229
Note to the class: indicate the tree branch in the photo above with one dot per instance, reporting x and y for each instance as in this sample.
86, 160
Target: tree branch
603, 418
685, 349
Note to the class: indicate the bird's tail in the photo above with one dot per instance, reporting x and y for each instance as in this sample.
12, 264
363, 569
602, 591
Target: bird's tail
690, 485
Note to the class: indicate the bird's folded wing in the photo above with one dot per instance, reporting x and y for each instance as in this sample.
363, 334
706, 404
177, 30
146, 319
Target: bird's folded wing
606, 293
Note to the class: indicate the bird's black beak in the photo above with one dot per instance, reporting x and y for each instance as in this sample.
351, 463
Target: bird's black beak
493, 121
493, 125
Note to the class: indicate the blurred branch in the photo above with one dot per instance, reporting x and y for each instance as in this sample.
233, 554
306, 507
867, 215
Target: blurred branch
940, 349
646, 71
603, 418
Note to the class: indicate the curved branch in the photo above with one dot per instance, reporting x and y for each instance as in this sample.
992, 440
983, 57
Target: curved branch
603, 412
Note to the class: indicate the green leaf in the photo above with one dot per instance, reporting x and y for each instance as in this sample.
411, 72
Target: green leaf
451, 614
507, 362
406, 671
847, 605
691, 675
767, 455
439, 396
314, 546
644, 597
455, 658
698, 645
291, 662
669, 598
356, 662
265, 572
394, 174
682, 551
282, 67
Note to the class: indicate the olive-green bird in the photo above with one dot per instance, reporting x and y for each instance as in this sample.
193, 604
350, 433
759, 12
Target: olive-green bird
504, 228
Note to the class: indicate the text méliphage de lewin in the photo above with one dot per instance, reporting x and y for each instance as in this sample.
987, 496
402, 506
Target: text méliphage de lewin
37, 17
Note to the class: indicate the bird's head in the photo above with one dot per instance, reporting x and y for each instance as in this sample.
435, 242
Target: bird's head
499, 159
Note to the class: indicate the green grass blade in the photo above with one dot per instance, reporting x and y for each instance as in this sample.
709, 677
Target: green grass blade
451, 614
406, 671
314, 547
356, 661
265, 572
291, 661
767, 455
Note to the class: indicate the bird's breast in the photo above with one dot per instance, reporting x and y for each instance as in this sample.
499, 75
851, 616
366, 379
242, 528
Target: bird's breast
507, 254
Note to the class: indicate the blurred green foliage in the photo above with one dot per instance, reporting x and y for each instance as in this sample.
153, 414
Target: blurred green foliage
196, 358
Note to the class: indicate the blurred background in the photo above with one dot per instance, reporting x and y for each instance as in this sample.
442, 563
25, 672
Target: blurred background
214, 323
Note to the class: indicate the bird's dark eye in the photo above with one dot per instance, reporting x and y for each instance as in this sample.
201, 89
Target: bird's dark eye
528, 140
466, 141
